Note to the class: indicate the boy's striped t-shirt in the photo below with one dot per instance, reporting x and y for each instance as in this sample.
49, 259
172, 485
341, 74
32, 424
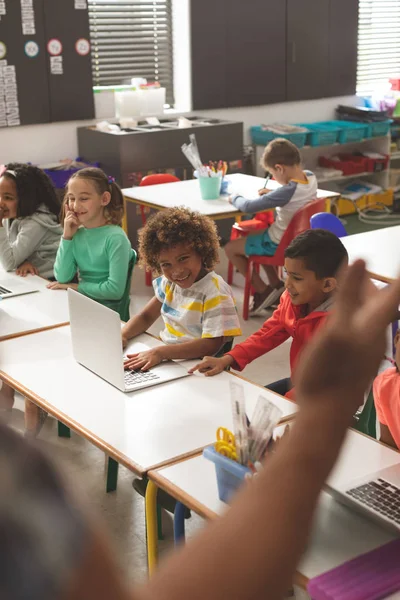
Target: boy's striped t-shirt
206, 310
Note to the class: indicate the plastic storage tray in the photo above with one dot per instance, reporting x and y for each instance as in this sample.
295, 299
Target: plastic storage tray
60, 177
230, 474
379, 128
325, 133
349, 164
261, 137
351, 131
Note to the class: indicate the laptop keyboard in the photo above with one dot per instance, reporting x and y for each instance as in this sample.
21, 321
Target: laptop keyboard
381, 496
4, 290
138, 377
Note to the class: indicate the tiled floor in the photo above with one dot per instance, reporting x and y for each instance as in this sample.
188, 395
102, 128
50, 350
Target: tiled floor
123, 511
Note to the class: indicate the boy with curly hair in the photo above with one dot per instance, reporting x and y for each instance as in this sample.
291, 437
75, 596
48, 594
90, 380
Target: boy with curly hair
196, 304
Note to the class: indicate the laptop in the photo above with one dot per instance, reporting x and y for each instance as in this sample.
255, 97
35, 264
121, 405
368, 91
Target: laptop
376, 494
97, 345
13, 286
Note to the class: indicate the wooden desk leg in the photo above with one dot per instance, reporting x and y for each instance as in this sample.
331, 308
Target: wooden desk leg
179, 523
151, 525
112, 475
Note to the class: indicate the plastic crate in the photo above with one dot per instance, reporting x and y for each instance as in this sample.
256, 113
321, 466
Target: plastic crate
379, 128
230, 474
261, 137
347, 207
349, 164
321, 134
60, 177
377, 165
351, 131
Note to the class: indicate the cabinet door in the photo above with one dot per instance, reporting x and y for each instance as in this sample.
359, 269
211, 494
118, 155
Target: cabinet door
308, 49
208, 53
238, 52
256, 52
343, 36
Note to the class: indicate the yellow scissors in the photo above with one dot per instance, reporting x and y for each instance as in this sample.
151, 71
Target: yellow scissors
225, 443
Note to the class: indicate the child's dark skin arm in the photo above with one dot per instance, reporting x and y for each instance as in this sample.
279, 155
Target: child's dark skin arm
141, 322
186, 350
386, 436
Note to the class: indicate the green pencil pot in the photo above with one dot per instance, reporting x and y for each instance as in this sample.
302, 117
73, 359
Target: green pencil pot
210, 187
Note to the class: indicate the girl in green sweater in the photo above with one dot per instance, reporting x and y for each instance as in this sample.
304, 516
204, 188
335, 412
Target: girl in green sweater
95, 247
93, 244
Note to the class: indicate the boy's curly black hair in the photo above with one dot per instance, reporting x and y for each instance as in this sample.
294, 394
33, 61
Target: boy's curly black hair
34, 188
174, 226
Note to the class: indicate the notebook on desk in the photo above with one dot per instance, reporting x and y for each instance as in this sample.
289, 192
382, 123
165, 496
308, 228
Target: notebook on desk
97, 345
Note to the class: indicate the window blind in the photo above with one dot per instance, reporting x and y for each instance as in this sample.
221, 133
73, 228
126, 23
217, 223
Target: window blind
131, 38
378, 43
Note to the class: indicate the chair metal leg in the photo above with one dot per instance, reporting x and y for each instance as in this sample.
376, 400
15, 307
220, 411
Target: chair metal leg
63, 430
160, 534
151, 525
247, 287
112, 475
230, 273
395, 327
179, 523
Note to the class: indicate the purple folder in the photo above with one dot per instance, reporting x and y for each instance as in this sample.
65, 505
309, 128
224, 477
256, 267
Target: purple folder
370, 576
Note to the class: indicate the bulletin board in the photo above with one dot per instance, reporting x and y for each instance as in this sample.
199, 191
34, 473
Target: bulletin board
45, 62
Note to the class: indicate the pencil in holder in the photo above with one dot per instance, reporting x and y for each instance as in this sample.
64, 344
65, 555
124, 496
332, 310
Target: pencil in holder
210, 187
230, 474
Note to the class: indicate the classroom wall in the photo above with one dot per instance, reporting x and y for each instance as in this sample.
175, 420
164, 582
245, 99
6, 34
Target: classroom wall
55, 141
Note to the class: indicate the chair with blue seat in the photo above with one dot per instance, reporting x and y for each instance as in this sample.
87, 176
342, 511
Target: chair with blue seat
329, 222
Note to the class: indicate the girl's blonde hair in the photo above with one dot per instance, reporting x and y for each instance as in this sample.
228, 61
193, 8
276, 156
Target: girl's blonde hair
114, 211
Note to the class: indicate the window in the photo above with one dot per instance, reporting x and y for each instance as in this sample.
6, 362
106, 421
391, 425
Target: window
378, 44
131, 38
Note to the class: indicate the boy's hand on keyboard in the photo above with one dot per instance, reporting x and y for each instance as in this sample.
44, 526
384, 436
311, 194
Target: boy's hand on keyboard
340, 363
144, 360
211, 365
26, 268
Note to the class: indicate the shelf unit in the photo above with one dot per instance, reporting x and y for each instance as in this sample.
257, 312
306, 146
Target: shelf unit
310, 154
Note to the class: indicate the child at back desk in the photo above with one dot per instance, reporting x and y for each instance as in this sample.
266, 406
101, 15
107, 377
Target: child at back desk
386, 391
94, 243
282, 159
312, 261
30, 229
195, 303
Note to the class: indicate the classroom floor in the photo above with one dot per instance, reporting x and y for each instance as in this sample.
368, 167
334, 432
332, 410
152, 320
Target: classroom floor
122, 512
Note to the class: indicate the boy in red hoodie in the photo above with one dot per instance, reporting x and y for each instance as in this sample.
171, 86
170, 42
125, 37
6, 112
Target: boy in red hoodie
387, 400
312, 261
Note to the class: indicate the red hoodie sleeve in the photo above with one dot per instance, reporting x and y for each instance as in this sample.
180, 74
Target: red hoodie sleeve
272, 334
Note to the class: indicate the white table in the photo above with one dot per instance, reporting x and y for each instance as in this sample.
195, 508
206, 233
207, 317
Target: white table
187, 193
141, 430
380, 249
40, 310
339, 533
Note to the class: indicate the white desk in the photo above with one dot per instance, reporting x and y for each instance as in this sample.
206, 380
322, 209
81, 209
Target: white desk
140, 430
32, 312
339, 533
187, 193
380, 249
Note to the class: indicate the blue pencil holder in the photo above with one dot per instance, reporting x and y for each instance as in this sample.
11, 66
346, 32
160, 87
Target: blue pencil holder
210, 187
230, 474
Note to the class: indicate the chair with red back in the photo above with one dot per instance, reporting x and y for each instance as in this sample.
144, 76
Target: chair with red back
244, 227
155, 179
299, 223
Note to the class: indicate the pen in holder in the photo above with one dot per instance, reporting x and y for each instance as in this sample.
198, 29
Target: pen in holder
230, 474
